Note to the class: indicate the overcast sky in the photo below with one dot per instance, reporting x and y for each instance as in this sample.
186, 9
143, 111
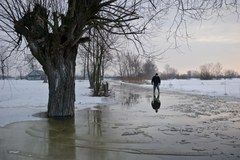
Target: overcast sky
212, 41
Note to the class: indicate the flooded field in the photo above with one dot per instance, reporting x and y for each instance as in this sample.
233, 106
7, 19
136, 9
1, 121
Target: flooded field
185, 127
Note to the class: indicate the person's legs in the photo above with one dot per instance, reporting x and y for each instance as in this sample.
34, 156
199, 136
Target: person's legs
158, 89
154, 88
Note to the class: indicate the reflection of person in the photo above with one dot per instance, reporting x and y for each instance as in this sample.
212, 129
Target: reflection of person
156, 81
156, 103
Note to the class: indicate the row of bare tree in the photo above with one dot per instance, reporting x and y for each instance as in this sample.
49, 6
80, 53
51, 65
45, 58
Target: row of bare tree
206, 72
216, 71
134, 67
95, 56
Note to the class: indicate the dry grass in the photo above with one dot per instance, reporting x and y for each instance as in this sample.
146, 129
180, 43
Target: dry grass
137, 80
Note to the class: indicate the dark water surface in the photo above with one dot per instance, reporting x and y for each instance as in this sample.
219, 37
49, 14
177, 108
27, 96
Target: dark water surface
185, 127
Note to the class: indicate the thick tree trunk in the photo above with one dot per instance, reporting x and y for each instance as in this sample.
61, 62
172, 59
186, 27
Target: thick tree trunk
60, 70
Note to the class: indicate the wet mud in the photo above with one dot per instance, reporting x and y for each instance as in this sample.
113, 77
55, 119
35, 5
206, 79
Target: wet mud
185, 127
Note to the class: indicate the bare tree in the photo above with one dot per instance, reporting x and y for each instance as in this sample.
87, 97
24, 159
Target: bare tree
96, 56
217, 69
169, 72
130, 65
96, 51
229, 73
53, 31
206, 71
210, 71
4, 56
149, 68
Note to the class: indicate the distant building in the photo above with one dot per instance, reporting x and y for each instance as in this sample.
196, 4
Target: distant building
36, 75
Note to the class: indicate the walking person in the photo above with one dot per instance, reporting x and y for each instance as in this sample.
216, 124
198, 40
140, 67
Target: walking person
156, 81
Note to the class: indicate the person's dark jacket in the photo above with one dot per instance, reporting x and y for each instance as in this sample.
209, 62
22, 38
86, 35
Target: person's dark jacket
156, 80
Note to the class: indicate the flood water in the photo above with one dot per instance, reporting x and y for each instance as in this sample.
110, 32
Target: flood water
185, 127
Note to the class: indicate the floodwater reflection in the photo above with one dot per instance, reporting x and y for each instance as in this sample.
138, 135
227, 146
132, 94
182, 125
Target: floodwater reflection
94, 122
156, 103
47, 139
61, 138
130, 99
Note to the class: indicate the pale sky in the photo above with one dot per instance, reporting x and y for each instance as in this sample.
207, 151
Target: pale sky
211, 42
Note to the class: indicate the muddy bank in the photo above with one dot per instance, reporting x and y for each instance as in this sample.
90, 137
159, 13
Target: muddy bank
185, 127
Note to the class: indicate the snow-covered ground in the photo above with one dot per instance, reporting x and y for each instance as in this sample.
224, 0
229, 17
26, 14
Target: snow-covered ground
223, 87
20, 99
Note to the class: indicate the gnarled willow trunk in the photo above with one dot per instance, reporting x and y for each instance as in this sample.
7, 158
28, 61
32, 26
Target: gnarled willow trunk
56, 51
60, 69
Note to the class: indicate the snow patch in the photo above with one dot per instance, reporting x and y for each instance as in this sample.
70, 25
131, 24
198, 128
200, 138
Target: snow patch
223, 87
20, 99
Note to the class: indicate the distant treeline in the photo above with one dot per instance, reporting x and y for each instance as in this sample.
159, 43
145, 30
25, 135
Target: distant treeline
207, 72
132, 69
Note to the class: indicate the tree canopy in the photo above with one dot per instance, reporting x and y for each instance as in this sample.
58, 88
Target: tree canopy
70, 19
